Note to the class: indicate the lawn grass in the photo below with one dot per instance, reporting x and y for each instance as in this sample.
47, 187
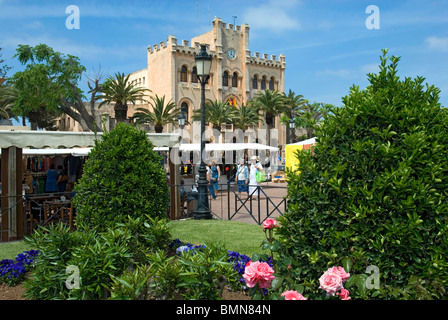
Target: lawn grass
9, 250
234, 236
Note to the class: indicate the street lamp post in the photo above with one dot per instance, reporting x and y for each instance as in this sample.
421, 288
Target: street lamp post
292, 127
181, 120
203, 64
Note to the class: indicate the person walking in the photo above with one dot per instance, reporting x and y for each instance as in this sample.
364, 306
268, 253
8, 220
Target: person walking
215, 175
211, 187
253, 184
242, 177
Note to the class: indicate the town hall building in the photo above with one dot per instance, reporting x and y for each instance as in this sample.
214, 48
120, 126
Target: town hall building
236, 75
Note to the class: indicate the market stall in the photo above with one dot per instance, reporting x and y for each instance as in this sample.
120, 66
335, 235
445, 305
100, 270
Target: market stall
22, 144
291, 160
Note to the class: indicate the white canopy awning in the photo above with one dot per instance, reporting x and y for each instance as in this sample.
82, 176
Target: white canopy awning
301, 143
66, 139
225, 147
76, 152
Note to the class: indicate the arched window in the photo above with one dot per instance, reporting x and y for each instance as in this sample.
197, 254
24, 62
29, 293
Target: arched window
194, 75
183, 74
235, 80
255, 82
184, 109
271, 84
225, 79
263, 83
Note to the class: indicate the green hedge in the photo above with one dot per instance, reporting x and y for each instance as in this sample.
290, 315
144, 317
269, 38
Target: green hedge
122, 177
375, 188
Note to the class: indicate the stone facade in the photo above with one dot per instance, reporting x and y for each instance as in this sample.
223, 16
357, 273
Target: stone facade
235, 73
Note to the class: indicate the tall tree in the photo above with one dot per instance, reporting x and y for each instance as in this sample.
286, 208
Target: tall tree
8, 97
50, 81
217, 113
118, 90
4, 68
271, 103
293, 102
245, 116
310, 114
161, 113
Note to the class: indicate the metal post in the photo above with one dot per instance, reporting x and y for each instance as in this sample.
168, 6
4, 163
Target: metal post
203, 209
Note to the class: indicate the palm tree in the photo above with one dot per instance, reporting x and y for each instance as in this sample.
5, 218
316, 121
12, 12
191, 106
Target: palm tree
245, 116
160, 114
309, 116
217, 113
8, 97
120, 91
293, 103
271, 103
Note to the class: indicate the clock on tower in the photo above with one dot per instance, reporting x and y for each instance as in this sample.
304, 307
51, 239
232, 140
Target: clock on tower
231, 54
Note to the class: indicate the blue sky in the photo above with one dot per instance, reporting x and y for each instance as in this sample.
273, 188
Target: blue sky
327, 45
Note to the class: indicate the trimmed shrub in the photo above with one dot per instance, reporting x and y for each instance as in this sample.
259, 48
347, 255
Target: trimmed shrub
374, 189
122, 177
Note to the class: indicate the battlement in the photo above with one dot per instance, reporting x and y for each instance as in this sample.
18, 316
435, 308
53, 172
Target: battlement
212, 39
231, 27
172, 45
217, 22
265, 59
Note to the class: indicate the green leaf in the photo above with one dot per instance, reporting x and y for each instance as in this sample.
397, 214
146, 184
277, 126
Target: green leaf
276, 283
275, 246
347, 264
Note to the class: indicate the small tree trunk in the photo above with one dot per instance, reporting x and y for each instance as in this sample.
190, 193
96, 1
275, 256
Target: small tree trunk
158, 128
121, 112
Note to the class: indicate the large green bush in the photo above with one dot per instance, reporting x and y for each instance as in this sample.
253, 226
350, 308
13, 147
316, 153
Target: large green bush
122, 177
375, 188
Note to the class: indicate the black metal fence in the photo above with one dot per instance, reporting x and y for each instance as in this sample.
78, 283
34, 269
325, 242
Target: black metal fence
230, 204
264, 201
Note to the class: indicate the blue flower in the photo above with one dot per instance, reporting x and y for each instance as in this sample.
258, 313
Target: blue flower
12, 272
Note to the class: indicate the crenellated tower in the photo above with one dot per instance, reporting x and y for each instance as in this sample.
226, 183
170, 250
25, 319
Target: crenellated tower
237, 74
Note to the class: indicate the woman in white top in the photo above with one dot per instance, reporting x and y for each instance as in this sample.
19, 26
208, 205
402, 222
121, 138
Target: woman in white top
253, 184
242, 177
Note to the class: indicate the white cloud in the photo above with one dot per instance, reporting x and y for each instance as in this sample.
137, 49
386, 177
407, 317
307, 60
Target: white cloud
275, 16
437, 43
81, 50
87, 9
370, 68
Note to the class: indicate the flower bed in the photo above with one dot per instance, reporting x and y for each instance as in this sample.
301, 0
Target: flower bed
260, 276
13, 272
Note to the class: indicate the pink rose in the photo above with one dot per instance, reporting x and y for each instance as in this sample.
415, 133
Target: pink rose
293, 295
344, 294
341, 272
330, 282
270, 224
258, 273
